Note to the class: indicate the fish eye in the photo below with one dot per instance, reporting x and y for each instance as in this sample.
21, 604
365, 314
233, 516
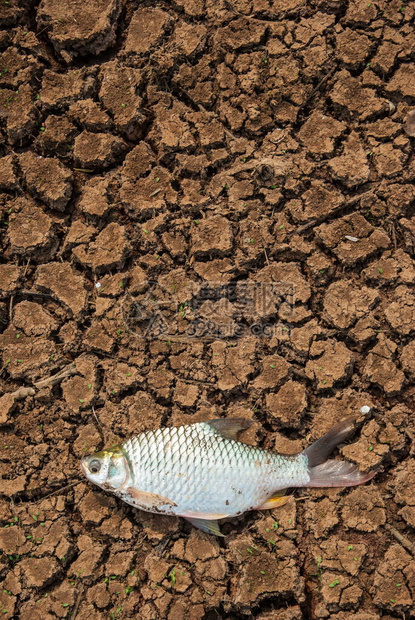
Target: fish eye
94, 466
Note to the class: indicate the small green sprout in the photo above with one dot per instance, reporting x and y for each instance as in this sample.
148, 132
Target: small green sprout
182, 309
334, 583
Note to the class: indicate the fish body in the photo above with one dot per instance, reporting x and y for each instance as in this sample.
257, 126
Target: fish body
201, 472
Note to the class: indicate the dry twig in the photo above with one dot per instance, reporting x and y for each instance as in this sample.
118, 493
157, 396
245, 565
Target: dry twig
54, 379
11, 308
57, 491
78, 601
23, 392
401, 538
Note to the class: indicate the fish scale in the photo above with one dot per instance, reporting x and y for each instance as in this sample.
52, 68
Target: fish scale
201, 471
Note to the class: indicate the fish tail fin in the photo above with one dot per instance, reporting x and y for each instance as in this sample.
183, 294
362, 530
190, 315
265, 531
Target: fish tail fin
320, 450
332, 473
338, 474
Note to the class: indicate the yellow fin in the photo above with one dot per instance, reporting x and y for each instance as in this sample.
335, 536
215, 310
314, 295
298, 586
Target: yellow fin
149, 500
276, 501
206, 525
205, 521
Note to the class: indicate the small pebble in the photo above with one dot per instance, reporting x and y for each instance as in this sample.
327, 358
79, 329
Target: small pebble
410, 124
351, 238
98, 285
365, 409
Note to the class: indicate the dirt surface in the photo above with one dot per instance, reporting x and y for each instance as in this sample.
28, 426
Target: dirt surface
208, 208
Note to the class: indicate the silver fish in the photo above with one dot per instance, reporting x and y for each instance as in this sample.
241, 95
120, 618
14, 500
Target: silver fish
203, 473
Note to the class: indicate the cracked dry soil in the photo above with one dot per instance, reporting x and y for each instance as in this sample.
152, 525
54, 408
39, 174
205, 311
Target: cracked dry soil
183, 156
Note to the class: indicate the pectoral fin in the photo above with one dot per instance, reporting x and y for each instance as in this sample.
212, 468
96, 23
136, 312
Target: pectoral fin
149, 500
276, 501
210, 526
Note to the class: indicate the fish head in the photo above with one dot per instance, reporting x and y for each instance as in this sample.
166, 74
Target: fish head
108, 469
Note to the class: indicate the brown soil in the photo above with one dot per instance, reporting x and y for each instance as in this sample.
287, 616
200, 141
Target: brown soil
208, 208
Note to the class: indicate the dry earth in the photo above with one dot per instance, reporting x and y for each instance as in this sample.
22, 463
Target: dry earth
208, 207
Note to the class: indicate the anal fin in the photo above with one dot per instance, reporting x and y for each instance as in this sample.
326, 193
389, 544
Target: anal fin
276, 501
210, 526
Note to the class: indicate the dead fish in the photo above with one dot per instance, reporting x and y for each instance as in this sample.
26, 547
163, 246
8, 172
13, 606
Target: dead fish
203, 473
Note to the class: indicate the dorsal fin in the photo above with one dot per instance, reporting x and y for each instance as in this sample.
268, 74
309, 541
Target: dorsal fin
230, 427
